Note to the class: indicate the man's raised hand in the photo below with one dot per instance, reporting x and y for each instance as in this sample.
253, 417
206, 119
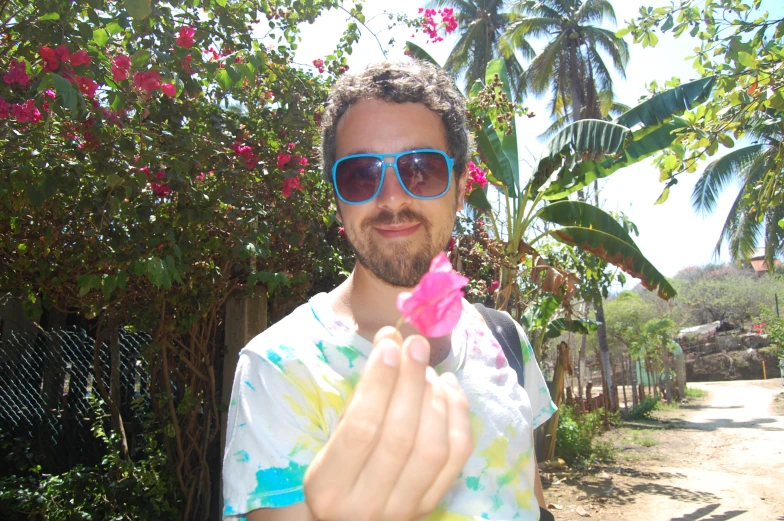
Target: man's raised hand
400, 444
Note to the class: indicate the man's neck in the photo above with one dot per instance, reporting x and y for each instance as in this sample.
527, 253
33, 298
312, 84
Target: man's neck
371, 304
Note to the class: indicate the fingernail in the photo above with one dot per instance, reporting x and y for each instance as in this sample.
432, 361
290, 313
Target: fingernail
391, 355
450, 379
419, 351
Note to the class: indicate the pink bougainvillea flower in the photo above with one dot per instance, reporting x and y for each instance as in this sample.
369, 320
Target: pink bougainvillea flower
49, 93
62, 53
185, 39
493, 286
80, 58
119, 74
5, 109
160, 174
435, 304
199, 179
319, 64
288, 184
17, 73
122, 62
87, 86
186, 63
49, 57
451, 244
303, 161
283, 160
169, 89
342, 231
476, 176
147, 81
26, 112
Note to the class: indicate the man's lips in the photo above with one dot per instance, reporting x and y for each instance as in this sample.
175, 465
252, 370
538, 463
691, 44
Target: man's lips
392, 231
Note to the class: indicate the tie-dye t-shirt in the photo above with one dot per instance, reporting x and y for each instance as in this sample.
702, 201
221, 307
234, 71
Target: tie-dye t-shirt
294, 379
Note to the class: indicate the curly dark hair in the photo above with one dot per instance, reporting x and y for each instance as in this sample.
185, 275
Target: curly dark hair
412, 81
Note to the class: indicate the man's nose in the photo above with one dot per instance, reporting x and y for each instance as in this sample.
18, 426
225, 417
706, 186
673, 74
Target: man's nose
392, 195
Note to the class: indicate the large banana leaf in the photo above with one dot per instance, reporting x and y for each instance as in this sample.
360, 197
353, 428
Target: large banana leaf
576, 325
478, 199
643, 144
617, 252
418, 52
655, 123
584, 215
573, 145
662, 106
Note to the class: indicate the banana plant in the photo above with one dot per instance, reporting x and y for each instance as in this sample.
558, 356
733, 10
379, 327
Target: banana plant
575, 156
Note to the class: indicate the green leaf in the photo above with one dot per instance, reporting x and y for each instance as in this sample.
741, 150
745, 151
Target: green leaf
664, 105
620, 33
508, 142
156, 271
617, 252
664, 196
478, 199
270, 279
114, 28
113, 180
781, 223
223, 79
66, 91
49, 16
100, 37
577, 325
140, 58
566, 149
419, 53
584, 215
138, 9
221, 3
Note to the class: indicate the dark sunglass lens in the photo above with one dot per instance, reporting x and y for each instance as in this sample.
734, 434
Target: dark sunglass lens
425, 174
356, 178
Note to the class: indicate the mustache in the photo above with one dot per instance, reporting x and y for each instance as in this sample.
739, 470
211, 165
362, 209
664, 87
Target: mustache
406, 215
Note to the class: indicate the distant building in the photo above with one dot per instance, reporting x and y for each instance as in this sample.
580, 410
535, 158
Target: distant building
758, 261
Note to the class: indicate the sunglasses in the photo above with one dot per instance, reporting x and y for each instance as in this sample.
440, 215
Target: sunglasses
423, 174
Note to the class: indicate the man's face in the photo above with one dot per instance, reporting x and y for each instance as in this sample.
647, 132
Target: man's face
396, 235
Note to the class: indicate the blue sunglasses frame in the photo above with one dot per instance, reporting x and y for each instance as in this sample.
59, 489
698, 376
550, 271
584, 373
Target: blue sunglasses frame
450, 163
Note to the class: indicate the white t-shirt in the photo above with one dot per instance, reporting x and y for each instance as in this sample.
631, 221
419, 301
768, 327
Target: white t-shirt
294, 379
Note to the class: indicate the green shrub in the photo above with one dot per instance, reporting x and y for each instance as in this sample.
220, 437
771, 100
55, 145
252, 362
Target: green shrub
693, 392
574, 442
141, 488
644, 409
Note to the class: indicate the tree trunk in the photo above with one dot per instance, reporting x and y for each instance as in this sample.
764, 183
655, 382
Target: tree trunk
667, 375
551, 426
625, 383
604, 351
633, 379
581, 366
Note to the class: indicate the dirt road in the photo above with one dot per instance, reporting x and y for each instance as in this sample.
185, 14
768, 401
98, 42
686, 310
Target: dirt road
717, 458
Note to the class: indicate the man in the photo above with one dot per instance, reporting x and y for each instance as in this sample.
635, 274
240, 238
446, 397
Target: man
325, 424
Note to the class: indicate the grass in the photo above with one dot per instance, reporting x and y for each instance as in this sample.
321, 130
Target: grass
693, 392
639, 437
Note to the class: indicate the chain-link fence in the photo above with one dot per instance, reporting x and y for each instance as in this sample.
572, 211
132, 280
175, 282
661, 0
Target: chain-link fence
46, 384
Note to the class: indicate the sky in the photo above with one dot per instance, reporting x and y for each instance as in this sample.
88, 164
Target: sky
672, 236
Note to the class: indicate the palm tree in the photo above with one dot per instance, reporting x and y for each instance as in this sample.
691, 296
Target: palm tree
570, 66
481, 24
748, 166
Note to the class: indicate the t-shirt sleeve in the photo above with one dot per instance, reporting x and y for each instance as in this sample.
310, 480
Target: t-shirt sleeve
272, 434
542, 406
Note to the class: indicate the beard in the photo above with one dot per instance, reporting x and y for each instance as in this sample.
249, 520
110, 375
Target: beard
401, 263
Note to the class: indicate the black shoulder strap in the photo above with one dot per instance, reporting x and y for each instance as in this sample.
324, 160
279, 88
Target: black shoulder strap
504, 330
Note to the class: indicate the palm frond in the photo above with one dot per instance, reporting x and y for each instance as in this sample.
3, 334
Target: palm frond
718, 174
595, 11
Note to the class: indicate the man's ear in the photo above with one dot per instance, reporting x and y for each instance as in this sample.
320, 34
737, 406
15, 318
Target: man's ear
461, 189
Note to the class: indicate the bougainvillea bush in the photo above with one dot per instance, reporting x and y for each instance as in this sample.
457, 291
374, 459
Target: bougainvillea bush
155, 158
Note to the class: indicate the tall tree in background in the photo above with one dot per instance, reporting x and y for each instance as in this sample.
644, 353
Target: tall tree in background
573, 70
570, 66
747, 166
481, 24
